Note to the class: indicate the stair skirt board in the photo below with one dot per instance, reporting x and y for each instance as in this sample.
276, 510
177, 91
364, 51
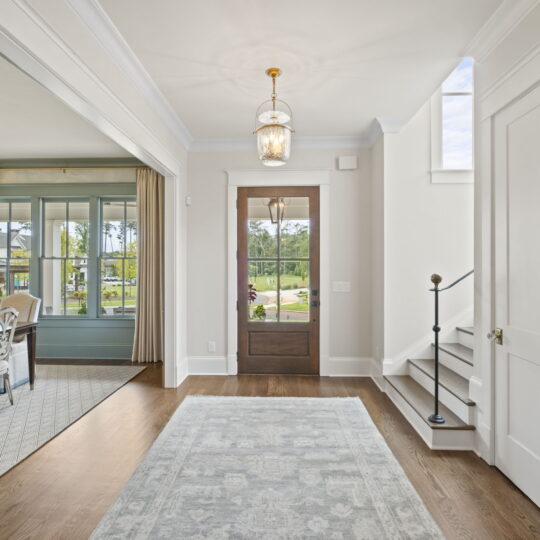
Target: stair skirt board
436, 439
455, 364
456, 405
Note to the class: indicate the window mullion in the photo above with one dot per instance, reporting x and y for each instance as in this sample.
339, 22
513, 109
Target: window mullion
35, 252
8, 252
92, 297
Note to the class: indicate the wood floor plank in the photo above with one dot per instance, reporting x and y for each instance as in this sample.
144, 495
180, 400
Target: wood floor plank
64, 489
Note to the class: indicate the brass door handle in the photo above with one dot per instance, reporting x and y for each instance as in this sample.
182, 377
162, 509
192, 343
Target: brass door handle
496, 335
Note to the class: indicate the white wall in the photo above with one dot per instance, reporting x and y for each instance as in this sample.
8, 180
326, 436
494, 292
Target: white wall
350, 218
428, 228
377, 210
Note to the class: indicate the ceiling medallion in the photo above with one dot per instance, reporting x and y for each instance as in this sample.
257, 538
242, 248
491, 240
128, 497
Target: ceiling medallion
273, 132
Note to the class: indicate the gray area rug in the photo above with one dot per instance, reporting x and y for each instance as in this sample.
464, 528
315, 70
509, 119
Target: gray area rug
269, 468
61, 395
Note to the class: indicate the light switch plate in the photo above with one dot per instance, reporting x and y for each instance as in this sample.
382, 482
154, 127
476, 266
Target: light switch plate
341, 286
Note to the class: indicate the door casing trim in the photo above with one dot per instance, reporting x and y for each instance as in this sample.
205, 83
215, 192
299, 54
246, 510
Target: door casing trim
261, 178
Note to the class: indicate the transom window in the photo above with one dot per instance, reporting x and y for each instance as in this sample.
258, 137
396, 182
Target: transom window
457, 118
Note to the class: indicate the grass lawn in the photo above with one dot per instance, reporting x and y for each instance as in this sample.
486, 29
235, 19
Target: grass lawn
131, 290
295, 307
118, 302
269, 283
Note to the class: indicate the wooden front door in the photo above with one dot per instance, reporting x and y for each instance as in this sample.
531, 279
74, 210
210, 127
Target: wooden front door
278, 280
516, 138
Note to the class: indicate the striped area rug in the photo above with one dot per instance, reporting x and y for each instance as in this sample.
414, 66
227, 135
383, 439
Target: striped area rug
61, 395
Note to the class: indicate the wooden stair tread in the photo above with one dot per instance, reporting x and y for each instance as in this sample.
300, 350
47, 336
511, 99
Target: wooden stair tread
461, 352
466, 330
422, 402
452, 381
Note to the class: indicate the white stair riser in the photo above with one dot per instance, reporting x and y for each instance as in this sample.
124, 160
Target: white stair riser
465, 412
455, 364
465, 339
436, 439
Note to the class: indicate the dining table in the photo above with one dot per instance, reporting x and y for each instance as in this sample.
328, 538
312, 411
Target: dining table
29, 329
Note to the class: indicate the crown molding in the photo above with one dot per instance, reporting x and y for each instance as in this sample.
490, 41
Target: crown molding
498, 27
29, 42
383, 125
107, 34
389, 124
299, 143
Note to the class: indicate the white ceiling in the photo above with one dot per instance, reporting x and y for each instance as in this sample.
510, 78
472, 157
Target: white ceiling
344, 62
35, 124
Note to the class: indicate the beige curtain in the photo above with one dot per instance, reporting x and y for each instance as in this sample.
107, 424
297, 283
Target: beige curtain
148, 341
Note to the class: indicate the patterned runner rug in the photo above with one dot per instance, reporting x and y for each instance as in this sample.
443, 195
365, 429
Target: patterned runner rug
61, 395
269, 468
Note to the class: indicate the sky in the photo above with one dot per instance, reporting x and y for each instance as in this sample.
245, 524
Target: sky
457, 114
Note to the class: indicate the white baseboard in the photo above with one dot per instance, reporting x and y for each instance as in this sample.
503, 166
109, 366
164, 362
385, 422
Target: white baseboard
182, 378
349, 366
232, 364
337, 366
207, 365
376, 373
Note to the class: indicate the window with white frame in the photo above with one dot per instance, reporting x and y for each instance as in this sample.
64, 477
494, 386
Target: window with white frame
118, 257
65, 259
453, 126
15, 246
89, 257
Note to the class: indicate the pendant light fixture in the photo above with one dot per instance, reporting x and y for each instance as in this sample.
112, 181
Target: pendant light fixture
273, 132
276, 207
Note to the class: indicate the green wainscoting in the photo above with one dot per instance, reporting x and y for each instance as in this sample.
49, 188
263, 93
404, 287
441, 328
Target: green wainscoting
88, 338
84, 337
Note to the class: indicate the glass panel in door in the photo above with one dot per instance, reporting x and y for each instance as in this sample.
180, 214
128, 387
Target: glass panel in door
278, 259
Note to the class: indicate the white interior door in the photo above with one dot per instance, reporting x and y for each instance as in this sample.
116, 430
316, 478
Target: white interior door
517, 292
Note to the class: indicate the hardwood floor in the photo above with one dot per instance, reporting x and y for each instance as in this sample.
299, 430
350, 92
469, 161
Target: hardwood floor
64, 489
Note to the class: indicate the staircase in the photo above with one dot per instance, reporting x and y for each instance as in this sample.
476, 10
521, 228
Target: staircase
413, 394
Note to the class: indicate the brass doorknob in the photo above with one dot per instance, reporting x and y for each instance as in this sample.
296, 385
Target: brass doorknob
497, 335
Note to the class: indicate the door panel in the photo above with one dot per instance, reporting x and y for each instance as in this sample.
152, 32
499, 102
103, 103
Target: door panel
517, 297
278, 280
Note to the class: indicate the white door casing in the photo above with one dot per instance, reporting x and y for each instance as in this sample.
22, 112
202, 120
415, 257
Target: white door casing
516, 170
287, 177
29, 42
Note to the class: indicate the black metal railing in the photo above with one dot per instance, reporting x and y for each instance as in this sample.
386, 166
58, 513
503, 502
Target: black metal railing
437, 418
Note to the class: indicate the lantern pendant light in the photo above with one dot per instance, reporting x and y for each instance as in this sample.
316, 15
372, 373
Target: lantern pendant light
276, 207
273, 132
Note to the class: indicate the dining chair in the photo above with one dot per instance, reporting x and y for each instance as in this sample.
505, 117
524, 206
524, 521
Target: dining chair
28, 308
8, 322
26, 305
